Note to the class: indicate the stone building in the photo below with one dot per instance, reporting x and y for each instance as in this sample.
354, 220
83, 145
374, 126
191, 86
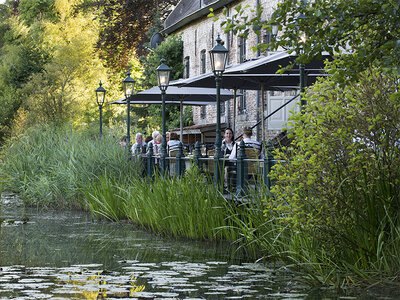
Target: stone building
199, 33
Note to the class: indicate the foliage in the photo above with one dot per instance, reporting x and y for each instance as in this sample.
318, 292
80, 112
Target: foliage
49, 165
123, 24
338, 183
49, 69
36, 10
368, 29
22, 55
150, 116
175, 207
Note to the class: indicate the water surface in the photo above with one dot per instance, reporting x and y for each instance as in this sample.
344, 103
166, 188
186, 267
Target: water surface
67, 255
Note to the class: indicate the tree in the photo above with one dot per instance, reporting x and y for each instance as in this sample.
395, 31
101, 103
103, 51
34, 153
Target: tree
365, 32
123, 23
36, 10
150, 116
21, 56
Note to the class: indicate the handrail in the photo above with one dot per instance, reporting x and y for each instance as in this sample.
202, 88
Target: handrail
271, 114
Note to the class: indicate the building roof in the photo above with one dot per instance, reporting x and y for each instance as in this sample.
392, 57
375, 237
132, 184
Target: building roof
188, 11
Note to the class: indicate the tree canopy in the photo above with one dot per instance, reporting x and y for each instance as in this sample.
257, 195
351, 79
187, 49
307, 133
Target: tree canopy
123, 24
364, 32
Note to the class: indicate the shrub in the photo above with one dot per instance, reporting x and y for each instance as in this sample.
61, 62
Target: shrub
338, 183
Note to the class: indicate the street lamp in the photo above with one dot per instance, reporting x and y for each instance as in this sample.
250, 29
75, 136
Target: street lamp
100, 96
128, 84
218, 56
163, 72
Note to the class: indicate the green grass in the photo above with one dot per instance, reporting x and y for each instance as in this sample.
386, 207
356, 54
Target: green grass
65, 168
187, 207
48, 166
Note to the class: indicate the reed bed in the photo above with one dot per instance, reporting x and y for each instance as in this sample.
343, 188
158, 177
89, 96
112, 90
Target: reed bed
65, 168
186, 207
48, 165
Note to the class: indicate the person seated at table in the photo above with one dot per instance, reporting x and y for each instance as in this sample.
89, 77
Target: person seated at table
248, 142
153, 141
157, 145
228, 142
137, 147
173, 142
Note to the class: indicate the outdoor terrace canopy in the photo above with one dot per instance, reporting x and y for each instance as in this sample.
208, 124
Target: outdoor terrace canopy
178, 96
260, 74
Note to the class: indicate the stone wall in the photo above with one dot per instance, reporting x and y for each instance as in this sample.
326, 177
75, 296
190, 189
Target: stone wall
200, 36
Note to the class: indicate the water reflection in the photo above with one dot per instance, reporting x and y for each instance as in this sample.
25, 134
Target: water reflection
69, 256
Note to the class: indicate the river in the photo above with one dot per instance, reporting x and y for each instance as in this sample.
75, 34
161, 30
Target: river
68, 255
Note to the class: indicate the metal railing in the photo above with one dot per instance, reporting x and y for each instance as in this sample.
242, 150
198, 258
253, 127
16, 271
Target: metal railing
236, 177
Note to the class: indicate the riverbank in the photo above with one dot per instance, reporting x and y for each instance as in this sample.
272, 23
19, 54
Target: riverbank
63, 168
69, 255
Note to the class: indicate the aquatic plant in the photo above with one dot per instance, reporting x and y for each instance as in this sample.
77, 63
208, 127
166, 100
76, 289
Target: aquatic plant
187, 207
48, 165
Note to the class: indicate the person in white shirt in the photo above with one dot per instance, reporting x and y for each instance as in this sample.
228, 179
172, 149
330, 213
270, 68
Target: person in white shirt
153, 142
173, 142
228, 142
137, 147
248, 142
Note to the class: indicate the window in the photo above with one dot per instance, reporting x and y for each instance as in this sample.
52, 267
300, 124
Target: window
267, 37
242, 102
187, 67
242, 49
203, 112
203, 62
222, 110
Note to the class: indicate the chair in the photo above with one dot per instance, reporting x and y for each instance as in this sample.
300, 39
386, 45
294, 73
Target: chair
252, 153
172, 162
210, 163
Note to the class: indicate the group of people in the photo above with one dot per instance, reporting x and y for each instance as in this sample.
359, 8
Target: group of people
229, 147
155, 140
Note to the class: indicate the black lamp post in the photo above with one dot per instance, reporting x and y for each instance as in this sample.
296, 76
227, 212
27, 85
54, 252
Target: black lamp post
163, 72
100, 96
218, 56
128, 84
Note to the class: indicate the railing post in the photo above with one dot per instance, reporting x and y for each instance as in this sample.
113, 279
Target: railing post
241, 171
150, 161
180, 161
197, 155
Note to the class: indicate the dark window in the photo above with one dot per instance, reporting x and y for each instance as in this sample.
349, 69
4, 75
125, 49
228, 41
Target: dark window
242, 102
267, 38
203, 113
242, 49
187, 67
222, 111
203, 62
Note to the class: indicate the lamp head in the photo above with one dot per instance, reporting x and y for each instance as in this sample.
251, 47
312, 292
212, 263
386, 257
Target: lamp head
129, 85
163, 73
100, 95
218, 56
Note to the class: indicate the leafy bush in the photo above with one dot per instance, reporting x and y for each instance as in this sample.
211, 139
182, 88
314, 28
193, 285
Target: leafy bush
338, 183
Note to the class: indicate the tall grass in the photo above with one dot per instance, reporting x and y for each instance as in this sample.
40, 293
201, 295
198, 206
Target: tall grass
48, 165
61, 167
187, 207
